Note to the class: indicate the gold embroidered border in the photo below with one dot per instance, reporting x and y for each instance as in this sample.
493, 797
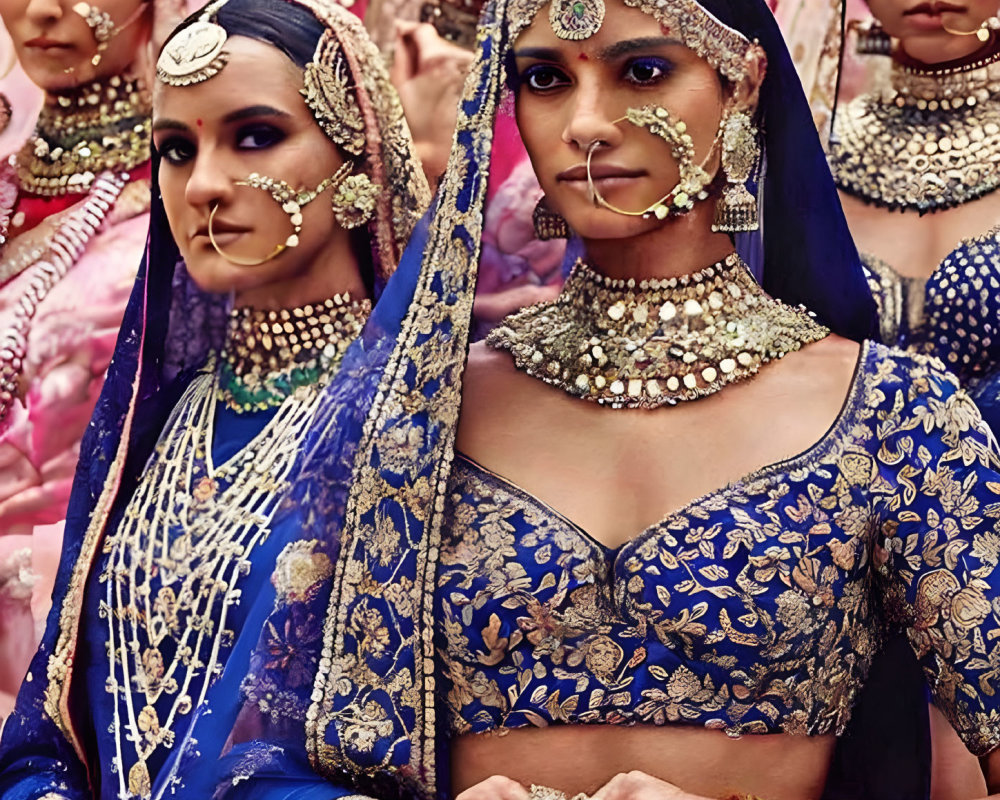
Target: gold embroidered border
451, 265
59, 668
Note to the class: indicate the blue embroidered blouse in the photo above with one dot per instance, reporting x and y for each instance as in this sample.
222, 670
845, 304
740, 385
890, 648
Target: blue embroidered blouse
755, 609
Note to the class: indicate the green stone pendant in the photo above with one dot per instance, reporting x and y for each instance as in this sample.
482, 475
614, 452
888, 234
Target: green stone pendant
576, 19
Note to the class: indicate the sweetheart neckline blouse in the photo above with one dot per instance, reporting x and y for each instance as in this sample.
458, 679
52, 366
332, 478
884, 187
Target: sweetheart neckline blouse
952, 314
756, 608
842, 419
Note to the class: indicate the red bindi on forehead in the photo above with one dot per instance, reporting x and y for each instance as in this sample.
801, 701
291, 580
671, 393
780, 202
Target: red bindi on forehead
198, 122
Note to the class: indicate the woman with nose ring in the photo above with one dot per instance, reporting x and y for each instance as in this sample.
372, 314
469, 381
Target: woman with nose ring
647, 538
285, 188
74, 202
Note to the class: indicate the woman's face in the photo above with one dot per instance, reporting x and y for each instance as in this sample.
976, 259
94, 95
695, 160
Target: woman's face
55, 45
570, 94
921, 24
249, 118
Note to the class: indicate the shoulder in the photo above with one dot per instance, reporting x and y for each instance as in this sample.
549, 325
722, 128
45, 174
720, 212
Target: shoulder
916, 375
917, 402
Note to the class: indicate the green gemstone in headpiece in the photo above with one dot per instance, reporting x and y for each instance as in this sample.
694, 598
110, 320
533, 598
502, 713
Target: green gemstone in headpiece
576, 19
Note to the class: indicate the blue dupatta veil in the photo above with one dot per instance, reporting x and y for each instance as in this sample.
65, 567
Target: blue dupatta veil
366, 721
169, 329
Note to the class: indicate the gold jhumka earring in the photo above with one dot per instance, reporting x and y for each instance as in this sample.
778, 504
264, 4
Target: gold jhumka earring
693, 177
547, 223
870, 38
736, 208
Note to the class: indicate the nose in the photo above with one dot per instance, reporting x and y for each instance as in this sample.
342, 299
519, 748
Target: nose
590, 118
209, 182
44, 13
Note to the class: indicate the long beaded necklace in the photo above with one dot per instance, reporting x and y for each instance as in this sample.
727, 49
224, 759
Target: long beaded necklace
646, 344
270, 354
62, 251
929, 142
175, 564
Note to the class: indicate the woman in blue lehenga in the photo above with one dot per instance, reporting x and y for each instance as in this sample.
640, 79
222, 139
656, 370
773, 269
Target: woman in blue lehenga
445, 631
287, 187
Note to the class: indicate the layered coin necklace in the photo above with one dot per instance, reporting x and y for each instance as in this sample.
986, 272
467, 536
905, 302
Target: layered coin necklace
645, 344
931, 141
84, 144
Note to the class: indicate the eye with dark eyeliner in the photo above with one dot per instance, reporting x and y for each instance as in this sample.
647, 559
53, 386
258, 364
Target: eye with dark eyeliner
258, 136
541, 78
175, 150
647, 70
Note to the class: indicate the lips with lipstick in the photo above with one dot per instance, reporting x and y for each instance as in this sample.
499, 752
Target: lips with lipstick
607, 175
46, 44
223, 230
928, 15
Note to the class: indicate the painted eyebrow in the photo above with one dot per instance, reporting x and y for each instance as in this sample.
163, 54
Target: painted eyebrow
541, 53
234, 116
627, 46
255, 111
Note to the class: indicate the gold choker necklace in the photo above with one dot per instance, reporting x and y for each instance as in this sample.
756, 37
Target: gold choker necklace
930, 142
98, 128
656, 342
269, 355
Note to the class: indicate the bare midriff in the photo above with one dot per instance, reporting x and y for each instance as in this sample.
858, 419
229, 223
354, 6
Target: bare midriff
582, 758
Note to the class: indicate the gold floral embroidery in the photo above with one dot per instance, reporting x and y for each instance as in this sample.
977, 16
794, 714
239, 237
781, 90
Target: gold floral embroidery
759, 602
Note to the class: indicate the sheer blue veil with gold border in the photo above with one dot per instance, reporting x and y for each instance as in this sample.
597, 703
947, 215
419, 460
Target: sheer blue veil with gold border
367, 719
169, 328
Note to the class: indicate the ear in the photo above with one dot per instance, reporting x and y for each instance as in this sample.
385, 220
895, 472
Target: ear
746, 93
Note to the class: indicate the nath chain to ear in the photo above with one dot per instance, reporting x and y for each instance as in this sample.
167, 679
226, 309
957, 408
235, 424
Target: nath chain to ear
291, 202
693, 176
353, 203
103, 27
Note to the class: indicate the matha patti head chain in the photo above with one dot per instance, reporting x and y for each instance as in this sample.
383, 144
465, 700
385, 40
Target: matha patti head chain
197, 53
103, 26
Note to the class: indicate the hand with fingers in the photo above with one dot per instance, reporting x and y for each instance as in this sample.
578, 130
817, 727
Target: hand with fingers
496, 787
429, 73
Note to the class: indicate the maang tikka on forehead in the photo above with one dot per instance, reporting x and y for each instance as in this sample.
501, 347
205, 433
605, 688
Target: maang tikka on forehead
196, 53
724, 48
576, 19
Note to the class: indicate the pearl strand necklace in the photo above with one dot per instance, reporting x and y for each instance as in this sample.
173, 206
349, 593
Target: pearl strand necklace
65, 248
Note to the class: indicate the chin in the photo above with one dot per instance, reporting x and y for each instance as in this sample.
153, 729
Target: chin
50, 76
605, 224
213, 274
